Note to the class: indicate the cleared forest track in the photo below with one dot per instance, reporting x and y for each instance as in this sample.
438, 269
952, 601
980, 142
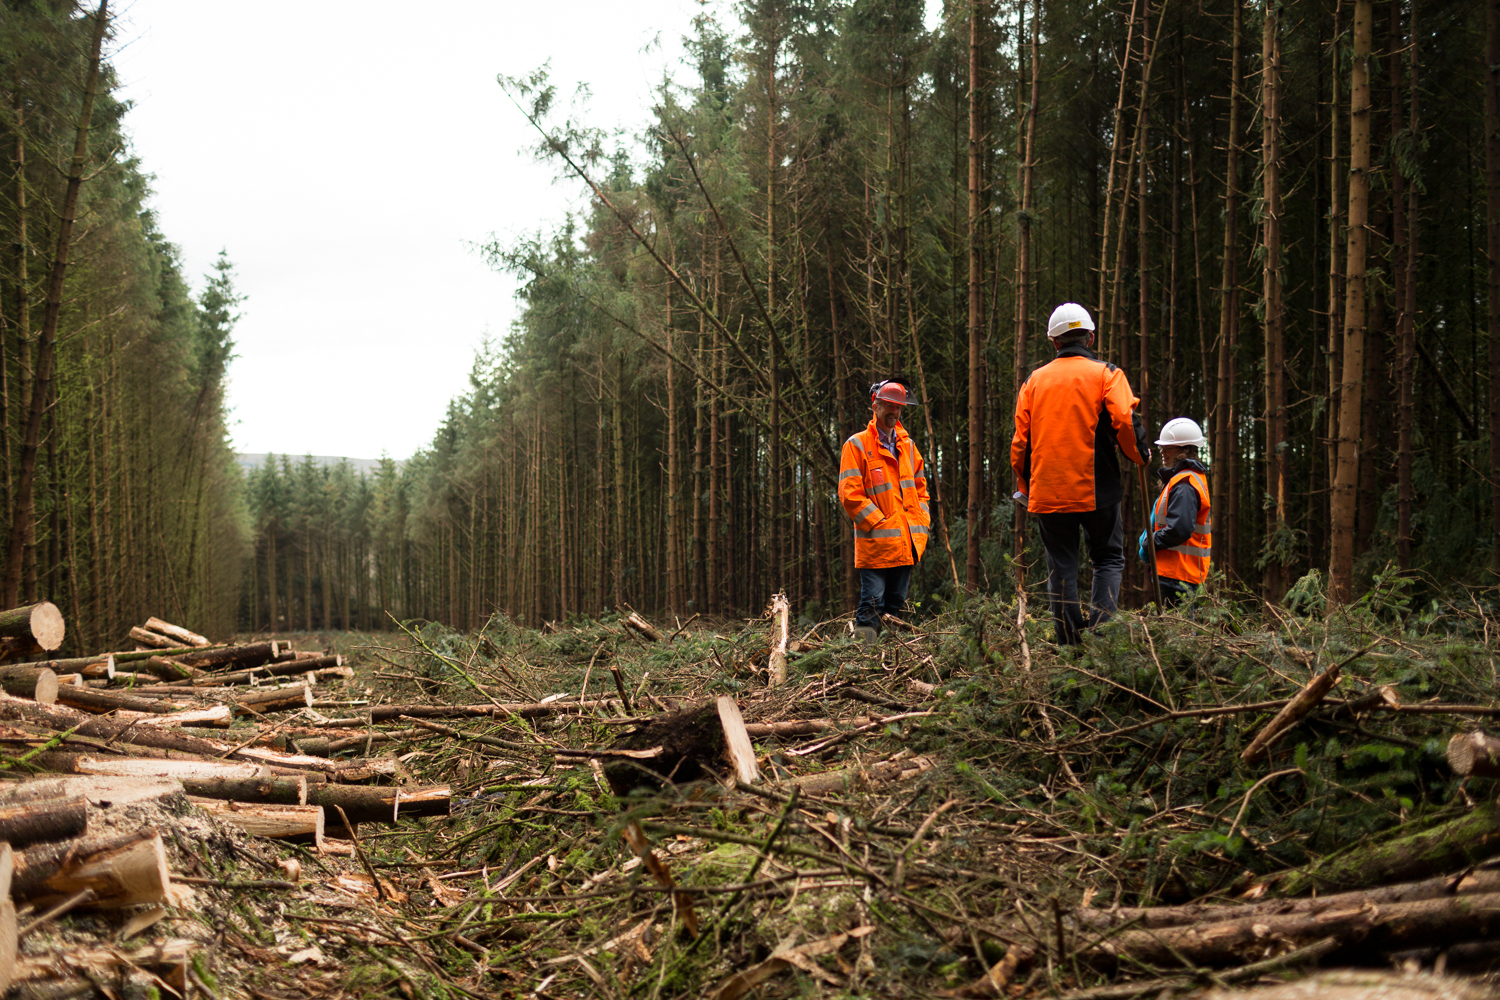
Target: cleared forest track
588, 810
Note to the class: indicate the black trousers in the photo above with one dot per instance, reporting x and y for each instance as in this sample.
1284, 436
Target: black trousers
1103, 531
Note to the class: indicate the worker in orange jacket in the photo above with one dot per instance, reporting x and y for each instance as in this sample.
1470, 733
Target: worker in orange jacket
883, 487
1070, 414
1182, 517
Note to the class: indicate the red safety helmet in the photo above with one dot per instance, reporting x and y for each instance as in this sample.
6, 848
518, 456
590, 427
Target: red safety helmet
893, 390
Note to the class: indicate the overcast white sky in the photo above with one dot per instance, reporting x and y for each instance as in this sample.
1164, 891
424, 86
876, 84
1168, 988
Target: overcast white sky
346, 156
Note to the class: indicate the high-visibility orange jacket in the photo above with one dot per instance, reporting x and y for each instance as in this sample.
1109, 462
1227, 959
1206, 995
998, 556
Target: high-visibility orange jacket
1178, 556
885, 496
1069, 414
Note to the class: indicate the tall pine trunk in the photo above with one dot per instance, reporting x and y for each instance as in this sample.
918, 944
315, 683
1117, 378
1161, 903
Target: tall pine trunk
976, 310
1274, 319
1346, 475
1225, 452
1408, 326
23, 516
1023, 254
1492, 232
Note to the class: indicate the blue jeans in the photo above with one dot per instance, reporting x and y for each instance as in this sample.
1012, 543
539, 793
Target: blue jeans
881, 591
1103, 530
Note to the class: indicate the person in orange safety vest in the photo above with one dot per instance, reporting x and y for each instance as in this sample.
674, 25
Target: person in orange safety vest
1070, 414
883, 487
1181, 519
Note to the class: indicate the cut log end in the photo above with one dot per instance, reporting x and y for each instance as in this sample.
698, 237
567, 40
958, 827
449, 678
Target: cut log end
1475, 754
36, 683
47, 626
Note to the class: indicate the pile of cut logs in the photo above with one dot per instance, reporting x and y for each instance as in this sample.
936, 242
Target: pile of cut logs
86, 734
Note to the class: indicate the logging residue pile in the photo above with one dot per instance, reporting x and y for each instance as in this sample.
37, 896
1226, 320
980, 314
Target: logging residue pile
1182, 806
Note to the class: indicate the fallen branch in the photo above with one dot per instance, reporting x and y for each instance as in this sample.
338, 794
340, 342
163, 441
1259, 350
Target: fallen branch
1300, 704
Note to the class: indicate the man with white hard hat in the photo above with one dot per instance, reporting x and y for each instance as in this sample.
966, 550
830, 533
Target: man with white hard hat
883, 489
1181, 519
1070, 415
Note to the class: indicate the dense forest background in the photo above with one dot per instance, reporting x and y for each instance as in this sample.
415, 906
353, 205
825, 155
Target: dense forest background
120, 497
1286, 220
1281, 216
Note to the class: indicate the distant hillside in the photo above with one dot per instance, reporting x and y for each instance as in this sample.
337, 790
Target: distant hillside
365, 465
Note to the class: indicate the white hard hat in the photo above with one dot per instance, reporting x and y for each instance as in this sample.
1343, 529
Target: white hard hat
1068, 317
1181, 431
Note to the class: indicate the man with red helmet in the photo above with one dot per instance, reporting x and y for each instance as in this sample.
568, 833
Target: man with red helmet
883, 487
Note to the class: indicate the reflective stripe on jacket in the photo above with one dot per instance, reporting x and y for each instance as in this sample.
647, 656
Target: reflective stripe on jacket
886, 498
1070, 414
1188, 561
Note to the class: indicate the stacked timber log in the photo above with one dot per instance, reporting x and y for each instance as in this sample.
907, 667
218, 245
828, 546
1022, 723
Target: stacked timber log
143, 703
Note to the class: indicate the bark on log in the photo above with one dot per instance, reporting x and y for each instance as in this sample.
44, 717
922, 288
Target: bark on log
1474, 754
103, 791
97, 702
60, 718
34, 821
1291, 713
67, 761
794, 727
89, 666
376, 804
217, 717
176, 632
1374, 927
862, 777
146, 767
643, 627
296, 762
145, 637
287, 668
137, 655
362, 803
1156, 917
260, 702
39, 623
166, 669
250, 655
266, 791
433, 800
37, 683
1445, 848
381, 713
122, 871
319, 746
279, 822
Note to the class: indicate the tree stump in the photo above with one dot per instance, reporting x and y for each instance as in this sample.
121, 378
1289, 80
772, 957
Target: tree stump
691, 742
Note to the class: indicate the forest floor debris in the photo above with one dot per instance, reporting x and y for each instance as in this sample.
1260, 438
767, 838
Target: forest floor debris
916, 825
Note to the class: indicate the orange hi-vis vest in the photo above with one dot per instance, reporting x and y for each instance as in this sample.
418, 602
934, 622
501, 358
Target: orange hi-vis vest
1187, 562
886, 498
